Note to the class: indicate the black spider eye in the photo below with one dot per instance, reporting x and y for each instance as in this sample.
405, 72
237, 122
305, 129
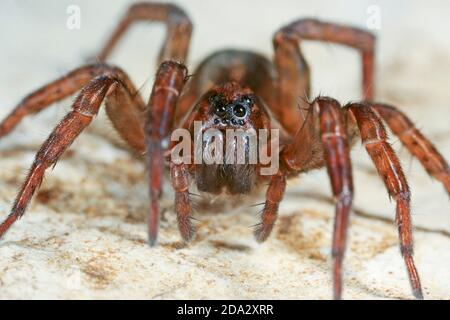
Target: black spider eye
220, 110
218, 104
239, 111
247, 100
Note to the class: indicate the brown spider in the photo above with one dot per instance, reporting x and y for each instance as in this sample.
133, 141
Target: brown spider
237, 89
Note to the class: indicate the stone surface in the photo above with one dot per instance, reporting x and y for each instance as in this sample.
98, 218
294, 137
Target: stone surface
84, 235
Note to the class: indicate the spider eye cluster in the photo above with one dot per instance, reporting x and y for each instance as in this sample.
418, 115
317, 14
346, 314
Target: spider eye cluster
230, 113
220, 110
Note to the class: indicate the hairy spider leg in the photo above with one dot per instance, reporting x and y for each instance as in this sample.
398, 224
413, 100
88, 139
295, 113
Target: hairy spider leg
169, 82
179, 174
179, 29
274, 195
84, 108
128, 123
293, 70
327, 115
419, 146
374, 137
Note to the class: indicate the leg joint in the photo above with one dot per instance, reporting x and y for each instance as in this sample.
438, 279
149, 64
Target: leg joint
406, 250
178, 17
345, 197
404, 195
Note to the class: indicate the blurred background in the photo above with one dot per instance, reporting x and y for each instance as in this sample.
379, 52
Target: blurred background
412, 36
412, 71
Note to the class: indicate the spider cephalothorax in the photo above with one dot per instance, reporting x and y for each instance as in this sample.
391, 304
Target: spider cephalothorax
225, 116
235, 89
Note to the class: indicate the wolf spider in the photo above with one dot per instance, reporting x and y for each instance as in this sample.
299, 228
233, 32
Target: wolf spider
317, 134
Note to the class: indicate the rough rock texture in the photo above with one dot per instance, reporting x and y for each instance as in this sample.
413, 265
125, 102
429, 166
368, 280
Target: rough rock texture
84, 236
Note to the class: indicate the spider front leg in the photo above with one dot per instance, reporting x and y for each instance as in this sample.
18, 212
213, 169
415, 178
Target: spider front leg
179, 29
305, 153
85, 107
169, 82
374, 138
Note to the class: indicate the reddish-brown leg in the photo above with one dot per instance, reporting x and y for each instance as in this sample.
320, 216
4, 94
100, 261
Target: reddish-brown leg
183, 206
274, 195
124, 106
415, 142
169, 82
374, 138
179, 29
85, 108
326, 113
293, 71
